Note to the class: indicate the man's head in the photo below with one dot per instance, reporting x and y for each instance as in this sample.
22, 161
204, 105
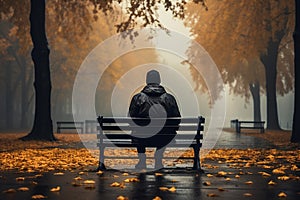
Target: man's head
153, 77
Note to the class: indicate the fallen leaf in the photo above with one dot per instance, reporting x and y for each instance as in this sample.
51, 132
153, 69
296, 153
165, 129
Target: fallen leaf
34, 183
23, 189
125, 174
115, 184
237, 176
20, 179
78, 178
10, 191
212, 195
282, 194
38, 196
56, 189
163, 188
283, 178
267, 167
122, 198
207, 183
157, 198
89, 182
209, 175
272, 183
76, 183
221, 173
227, 179
248, 182
58, 174
264, 174
172, 189
158, 174
221, 189
294, 168
278, 171
247, 194
99, 172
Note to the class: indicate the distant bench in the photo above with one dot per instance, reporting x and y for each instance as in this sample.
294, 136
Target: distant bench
68, 125
238, 125
116, 132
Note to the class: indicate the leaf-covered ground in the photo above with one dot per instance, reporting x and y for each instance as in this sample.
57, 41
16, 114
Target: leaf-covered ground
250, 173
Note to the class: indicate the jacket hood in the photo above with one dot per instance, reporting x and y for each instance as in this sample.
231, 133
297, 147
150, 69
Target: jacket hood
154, 90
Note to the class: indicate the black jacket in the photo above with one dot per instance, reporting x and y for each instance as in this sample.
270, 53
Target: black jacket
153, 101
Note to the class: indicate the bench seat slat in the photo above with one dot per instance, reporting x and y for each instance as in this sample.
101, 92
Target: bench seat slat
129, 144
139, 128
129, 136
140, 120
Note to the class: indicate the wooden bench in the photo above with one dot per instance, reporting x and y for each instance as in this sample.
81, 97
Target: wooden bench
247, 125
68, 125
117, 132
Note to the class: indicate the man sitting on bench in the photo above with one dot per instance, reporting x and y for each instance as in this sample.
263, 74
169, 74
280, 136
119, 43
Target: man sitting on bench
153, 102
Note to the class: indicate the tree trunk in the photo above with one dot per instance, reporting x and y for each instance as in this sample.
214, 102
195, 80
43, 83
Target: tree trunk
42, 125
270, 63
296, 119
254, 89
9, 97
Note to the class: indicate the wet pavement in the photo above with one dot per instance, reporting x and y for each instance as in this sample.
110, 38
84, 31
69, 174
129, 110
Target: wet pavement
169, 183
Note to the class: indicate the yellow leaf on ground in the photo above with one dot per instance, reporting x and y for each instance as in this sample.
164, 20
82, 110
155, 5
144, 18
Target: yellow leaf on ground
23, 189
278, 171
209, 175
122, 198
78, 178
212, 195
115, 184
99, 172
89, 182
158, 174
207, 183
163, 188
172, 189
56, 189
58, 174
10, 191
247, 194
221, 189
282, 194
283, 178
157, 198
237, 176
125, 174
20, 179
264, 173
248, 182
38, 196
272, 183
222, 173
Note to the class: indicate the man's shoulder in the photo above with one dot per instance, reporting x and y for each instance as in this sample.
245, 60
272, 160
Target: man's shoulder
139, 95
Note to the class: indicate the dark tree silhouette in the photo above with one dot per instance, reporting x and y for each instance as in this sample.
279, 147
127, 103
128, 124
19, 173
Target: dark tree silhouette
42, 127
296, 125
143, 10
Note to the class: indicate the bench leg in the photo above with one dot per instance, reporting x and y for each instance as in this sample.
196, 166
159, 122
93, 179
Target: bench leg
101, 165
196, 165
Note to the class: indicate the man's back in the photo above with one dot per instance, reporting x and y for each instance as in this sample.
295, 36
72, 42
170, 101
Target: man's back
153, 101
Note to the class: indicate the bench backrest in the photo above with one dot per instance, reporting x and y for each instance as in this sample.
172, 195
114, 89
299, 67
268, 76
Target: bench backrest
115, 128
